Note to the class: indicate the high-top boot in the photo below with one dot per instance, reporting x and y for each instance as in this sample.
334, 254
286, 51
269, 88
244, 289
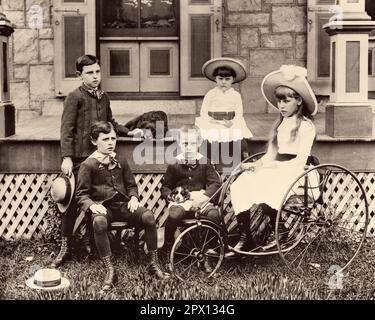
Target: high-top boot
154, 268
245, 242
165, 252
272, 214
63, 254
111, 276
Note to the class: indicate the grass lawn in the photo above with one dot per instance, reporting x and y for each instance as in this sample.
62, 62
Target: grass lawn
248, 278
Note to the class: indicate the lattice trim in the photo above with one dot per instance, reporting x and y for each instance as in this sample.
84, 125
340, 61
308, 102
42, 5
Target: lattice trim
24, 205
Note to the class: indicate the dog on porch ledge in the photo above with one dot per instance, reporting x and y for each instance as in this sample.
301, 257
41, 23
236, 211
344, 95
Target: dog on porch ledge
154, 124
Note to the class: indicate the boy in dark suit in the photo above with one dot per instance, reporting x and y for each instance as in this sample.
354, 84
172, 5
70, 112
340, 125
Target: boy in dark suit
107, 190
192, 172
82, 107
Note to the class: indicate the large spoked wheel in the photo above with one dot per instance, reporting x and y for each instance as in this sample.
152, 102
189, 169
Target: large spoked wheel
199, 249
322, 222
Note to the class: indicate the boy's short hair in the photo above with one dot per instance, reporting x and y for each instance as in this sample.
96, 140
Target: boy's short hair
85, 60
189, 128
224, 71
100, 127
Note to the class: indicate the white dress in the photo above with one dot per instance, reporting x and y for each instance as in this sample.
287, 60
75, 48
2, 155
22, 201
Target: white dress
269, 183
218, 101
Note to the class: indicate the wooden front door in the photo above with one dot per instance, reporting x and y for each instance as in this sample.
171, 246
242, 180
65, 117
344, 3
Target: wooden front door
74, 35
139, 45
201, 37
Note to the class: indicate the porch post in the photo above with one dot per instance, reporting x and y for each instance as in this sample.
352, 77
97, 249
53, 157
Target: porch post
348, 112
7, 111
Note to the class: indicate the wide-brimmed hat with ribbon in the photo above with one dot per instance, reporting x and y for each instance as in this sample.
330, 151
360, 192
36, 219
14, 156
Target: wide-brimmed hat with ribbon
211, 65
62, 191
293, 77
48, 280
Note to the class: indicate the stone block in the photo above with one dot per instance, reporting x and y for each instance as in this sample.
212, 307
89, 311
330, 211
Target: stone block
46, 33
7, 120
230, 41
25, 46
263, 61
348, 121
248, 19
264, 30
16, 17
286, 19
290, 54
46, 51
14, 5
41, 82
277, 40
19, 94
279, 1
38, 9
244, 5
252, 98
21, 72
301, 46
249, 38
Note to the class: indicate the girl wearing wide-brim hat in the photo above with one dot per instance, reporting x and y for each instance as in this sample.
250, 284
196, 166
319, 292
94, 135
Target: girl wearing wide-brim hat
265, 181
221, 118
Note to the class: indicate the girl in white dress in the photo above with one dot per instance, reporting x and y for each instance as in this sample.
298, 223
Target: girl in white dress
265, 181
221, 118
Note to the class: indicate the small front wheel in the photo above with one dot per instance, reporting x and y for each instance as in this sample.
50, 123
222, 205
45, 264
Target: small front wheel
199, 249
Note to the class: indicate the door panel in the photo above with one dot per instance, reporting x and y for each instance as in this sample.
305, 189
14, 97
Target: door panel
201, 34
159, 66
75, 35
120, 66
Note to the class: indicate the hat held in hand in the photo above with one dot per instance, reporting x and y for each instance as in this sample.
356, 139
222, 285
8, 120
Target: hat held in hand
62, 191
47, 279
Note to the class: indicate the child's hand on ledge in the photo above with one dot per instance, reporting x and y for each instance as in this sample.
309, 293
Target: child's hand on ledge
137, 133
133, 204
98, 209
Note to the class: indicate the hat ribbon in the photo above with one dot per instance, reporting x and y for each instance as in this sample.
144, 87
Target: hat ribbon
48, 284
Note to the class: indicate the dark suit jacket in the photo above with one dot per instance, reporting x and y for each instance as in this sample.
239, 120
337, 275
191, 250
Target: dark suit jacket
97, 184
81, 111
203, 176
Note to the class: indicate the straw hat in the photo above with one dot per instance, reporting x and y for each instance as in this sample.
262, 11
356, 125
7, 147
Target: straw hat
293, 77
210, 66
62, 191
48, 280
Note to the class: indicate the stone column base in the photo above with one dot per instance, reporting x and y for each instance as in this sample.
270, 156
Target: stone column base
7, 120
349, 121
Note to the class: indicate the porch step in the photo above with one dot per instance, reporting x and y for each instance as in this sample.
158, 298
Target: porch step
54, 107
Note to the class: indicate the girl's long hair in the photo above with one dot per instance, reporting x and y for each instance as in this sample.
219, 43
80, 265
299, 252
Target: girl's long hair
301, 114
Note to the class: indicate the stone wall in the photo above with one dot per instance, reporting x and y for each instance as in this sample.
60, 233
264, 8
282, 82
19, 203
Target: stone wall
32, 53
264, 34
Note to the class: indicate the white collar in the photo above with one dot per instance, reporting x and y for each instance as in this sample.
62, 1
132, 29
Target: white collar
181, 157
106, 159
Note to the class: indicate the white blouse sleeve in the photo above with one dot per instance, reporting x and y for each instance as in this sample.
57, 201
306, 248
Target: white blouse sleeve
238, 107
306, 135
205, 105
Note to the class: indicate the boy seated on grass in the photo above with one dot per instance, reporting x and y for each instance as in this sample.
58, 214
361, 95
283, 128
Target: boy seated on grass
108, 190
